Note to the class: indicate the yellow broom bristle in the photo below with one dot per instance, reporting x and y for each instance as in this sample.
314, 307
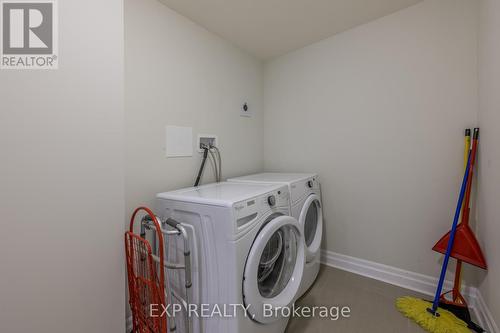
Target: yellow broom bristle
416, 310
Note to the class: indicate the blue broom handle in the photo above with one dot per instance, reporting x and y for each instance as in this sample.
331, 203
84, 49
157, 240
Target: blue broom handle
435, 304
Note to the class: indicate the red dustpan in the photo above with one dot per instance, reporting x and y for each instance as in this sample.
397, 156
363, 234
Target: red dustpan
465, 246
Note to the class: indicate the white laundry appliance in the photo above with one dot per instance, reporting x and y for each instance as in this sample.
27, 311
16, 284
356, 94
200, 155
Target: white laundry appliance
247, 250
306, 207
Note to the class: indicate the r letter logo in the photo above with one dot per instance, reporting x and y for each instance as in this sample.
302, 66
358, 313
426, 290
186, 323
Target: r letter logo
29, 34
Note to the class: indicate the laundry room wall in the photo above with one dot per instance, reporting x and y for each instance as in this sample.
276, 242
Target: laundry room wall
61, 181
379, 112
177, 73
489, 151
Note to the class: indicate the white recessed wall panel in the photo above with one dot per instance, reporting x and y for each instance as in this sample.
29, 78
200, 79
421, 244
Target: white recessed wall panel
179, 141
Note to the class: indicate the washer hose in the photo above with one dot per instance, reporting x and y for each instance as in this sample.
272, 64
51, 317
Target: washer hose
202, 166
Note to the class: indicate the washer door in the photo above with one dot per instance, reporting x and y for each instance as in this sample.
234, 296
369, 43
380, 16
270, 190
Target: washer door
311, 221
274, 268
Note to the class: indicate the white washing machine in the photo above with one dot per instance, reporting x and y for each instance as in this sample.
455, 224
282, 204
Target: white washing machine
306, 207
247, 250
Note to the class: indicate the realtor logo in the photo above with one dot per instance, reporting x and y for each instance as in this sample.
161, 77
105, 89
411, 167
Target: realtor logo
29, 34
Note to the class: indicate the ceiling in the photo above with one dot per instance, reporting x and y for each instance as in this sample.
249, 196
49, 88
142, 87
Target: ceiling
269, 28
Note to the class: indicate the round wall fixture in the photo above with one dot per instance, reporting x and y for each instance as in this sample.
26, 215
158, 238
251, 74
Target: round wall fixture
245, 110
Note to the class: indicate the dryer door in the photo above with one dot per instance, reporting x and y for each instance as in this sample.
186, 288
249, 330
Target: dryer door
311, 221
274, 269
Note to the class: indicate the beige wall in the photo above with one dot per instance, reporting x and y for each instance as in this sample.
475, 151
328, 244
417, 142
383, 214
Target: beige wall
177, 73
489, 150
379, 112
61, 181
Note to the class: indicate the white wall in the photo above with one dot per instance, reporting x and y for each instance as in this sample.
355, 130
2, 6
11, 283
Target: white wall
489, 150
177, 73
379, 111
61, 181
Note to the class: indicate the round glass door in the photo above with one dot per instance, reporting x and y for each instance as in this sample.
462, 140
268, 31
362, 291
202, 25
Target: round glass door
274, 267
311, 221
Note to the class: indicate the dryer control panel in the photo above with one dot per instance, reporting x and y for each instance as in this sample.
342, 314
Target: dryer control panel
248, 210
301, 188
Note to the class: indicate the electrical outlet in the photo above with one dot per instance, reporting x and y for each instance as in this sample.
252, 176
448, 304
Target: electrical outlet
206, 139
245, 110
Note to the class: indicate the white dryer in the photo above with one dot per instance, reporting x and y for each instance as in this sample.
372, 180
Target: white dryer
306, 207
248, 251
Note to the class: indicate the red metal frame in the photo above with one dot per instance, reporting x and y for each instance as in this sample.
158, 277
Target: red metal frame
146, 279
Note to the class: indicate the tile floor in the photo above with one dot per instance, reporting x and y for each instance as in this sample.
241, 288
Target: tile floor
371, 303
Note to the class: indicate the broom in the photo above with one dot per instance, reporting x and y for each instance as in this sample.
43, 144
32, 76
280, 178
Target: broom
428, 315
465, 248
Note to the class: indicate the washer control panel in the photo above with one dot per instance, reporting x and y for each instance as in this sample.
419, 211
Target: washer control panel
248, 210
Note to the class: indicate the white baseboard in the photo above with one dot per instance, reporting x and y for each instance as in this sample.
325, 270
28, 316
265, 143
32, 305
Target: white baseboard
484, 314
399, 277
410, 280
